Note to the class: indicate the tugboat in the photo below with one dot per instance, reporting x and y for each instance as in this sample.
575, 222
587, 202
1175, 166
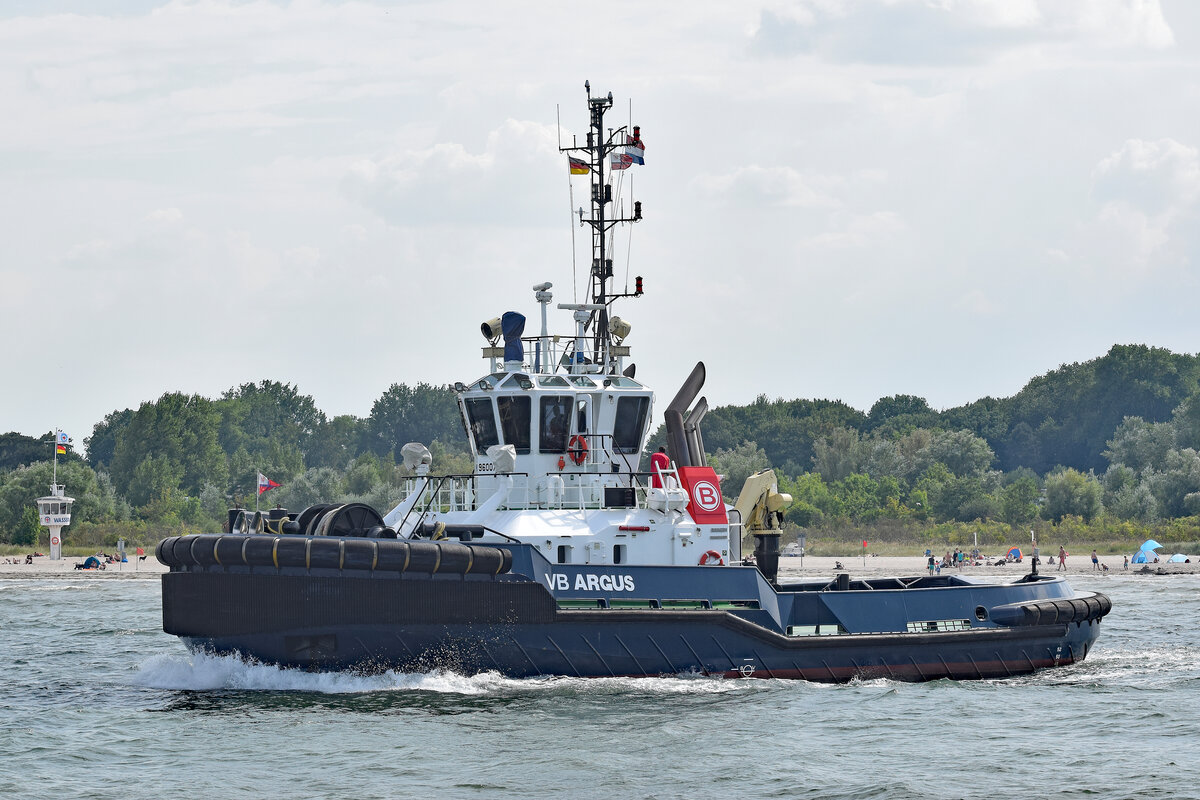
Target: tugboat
560, 555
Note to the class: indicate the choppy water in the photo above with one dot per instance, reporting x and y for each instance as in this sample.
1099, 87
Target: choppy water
96, 701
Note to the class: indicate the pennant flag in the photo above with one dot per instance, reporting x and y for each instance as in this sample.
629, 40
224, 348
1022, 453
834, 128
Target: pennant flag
60, 449
63, 438
141, 552
265, 484
578, 166
618, 161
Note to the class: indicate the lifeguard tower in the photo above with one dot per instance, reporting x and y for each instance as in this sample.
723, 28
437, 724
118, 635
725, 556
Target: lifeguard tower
54, 511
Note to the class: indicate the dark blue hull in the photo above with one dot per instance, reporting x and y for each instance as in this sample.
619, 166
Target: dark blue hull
344, 604
707, 643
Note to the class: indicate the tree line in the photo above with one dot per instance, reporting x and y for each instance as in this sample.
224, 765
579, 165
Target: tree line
182, 460
1115, 439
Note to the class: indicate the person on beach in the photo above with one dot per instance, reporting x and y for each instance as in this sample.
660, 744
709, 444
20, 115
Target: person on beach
1062, 558
1125, 566
1095, 561
930, 563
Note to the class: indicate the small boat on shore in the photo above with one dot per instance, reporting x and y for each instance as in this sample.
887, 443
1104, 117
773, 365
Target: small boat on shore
559, 554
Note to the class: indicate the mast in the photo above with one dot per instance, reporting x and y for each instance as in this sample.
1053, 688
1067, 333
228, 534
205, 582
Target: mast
598, 149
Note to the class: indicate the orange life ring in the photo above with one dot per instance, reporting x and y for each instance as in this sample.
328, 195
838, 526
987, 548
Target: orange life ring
713, 556
577, 449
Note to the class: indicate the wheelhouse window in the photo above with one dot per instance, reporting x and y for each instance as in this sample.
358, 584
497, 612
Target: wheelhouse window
483, 423
630, 423
514, 420
555, 423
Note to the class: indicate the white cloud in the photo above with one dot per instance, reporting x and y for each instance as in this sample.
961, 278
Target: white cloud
1159, 177
1147, 193
756, 186
953, 31
165, 215
349, 172
509, 180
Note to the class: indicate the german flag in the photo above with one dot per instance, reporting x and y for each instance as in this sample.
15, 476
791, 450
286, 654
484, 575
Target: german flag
61, 448
578, 166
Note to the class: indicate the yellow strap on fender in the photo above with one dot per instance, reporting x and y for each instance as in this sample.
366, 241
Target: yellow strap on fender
275, 553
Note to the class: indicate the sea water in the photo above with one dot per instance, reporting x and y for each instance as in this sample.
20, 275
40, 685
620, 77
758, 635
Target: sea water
97, 702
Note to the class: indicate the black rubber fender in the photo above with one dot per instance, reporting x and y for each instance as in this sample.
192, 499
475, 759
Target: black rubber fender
1057, 611
164, 547
292, 551
258, 551
325, 553
228, 550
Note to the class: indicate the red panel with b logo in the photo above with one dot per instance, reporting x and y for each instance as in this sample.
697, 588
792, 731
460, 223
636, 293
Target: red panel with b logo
704, 488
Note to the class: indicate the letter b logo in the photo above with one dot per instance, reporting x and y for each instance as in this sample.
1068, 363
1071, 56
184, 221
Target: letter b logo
706, 496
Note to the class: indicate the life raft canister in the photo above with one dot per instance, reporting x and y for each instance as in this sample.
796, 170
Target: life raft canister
577, 449
712, 556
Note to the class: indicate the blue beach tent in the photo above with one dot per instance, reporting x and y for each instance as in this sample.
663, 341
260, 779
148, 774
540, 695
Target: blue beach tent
1145, 553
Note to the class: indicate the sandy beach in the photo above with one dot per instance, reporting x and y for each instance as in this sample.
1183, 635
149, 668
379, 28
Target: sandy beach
790, 567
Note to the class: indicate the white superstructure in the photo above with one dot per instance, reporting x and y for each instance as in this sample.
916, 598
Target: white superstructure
558, 425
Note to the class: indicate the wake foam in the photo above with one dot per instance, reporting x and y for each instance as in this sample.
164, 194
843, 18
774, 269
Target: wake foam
206, 672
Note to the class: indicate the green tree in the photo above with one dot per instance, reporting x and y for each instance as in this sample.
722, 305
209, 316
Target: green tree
17, 450
28, 528
1072, 492
737, 465
272, 422
1018, 501
180, 431
812, 500
336, 442
899, 414
859, 496
102, 444
1139, 444
422, 413
1170, 485
839, 454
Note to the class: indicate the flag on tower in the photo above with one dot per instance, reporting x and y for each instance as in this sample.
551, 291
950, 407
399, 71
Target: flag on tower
61, 449
63, 438
265, 484
578, 166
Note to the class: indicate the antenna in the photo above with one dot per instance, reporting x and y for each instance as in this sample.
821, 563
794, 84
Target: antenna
599, 148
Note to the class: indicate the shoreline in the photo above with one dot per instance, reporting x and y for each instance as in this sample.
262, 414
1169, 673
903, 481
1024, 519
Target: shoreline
790, 567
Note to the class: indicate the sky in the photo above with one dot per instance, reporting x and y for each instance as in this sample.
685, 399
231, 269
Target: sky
843, 200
